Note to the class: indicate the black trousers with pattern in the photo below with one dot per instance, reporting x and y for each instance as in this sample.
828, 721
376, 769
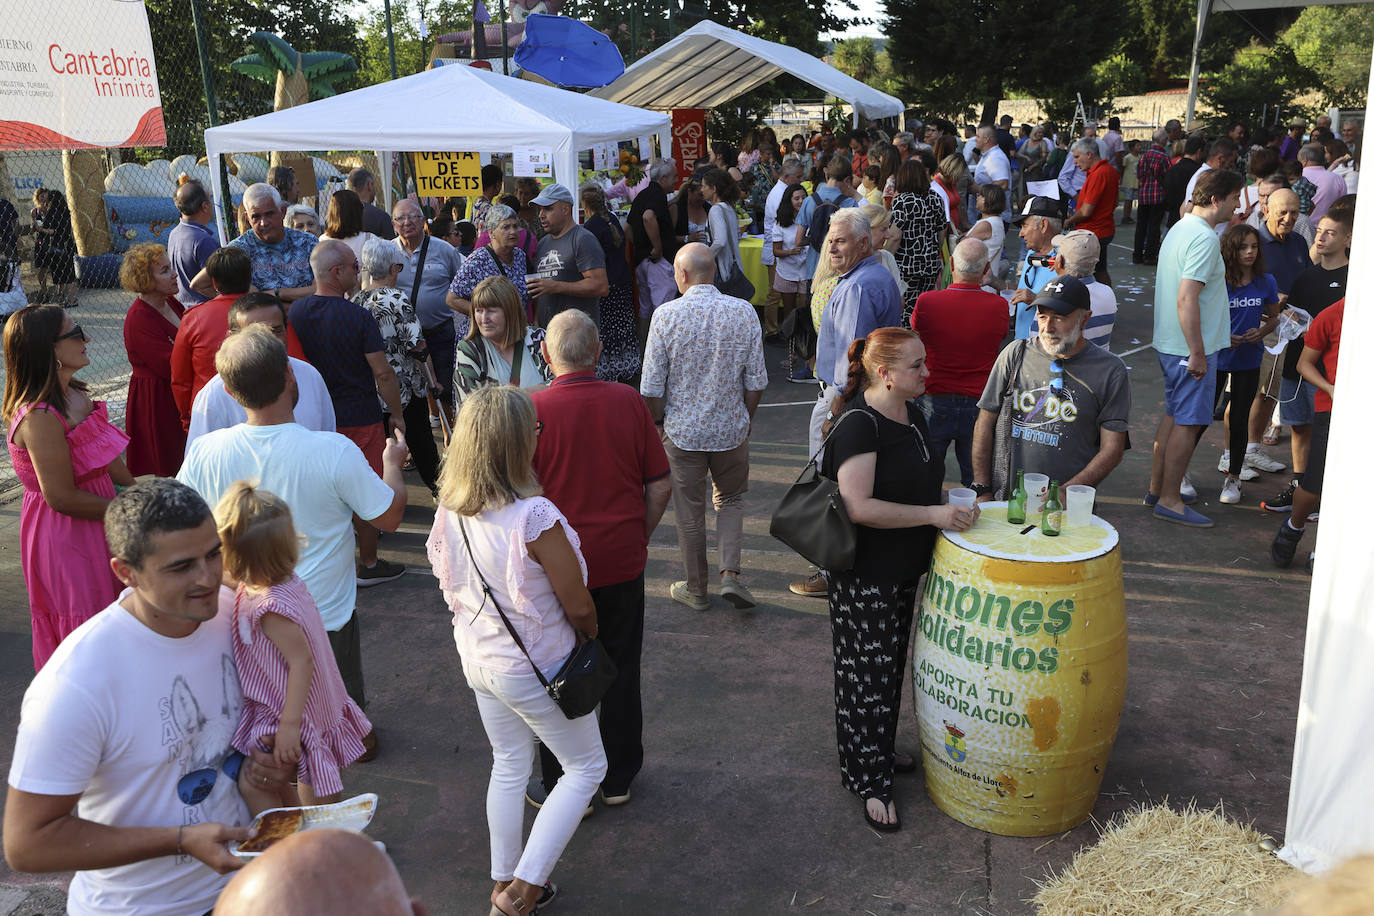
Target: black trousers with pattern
871, 626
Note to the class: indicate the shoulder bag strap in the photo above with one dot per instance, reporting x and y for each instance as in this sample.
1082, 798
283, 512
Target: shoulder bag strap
836, 425
1012, 375
486, 590
419, 272
515, 363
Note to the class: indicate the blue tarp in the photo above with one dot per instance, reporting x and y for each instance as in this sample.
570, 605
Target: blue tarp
567, 52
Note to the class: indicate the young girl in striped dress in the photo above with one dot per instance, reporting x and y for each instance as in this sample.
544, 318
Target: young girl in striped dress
291, 683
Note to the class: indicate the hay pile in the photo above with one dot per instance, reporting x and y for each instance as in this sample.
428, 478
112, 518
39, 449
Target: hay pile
1159, 862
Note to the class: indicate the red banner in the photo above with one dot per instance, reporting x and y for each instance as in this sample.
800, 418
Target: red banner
689, 138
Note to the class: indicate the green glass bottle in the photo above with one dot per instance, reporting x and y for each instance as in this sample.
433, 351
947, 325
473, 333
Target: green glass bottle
1052, 516
1016, 506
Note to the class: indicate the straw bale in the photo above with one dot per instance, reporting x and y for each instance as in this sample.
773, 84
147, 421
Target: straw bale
1155, 861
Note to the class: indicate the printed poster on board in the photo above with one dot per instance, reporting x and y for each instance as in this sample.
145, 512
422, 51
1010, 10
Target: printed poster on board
78, 81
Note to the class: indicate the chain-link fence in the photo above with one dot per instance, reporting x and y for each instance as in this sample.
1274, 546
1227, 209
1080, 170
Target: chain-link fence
120, 197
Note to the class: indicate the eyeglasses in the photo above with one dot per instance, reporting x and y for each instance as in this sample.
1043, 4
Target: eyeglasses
538, 427
408, 218
195, 786
74, 334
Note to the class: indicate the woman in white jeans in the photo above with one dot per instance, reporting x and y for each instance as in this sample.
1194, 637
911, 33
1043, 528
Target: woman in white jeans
533, 564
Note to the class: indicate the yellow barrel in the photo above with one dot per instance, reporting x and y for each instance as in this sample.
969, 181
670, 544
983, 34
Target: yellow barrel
1019, 672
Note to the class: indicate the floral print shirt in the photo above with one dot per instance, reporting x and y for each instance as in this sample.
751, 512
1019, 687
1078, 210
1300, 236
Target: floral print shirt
402, 334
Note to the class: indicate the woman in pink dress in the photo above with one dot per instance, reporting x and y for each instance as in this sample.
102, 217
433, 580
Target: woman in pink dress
157, 441
67, 455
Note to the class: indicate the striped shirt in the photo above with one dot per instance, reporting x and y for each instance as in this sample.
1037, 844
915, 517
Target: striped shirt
1099, 327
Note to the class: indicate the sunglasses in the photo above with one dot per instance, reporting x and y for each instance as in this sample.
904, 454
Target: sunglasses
1056, 376
538, 427
74, 334
195, 786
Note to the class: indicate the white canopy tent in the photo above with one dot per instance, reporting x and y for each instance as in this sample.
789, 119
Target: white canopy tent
447, 109
708, 65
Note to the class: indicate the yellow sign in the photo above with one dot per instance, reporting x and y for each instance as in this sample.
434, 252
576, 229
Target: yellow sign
448, 174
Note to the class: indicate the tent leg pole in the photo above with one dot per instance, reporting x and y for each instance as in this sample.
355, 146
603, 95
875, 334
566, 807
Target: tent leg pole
1204, 7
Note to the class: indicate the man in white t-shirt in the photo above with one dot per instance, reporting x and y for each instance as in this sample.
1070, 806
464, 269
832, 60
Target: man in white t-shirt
214, 408
1220, 155
993, 166
790, 173
323, 477
1076, 254
123, 769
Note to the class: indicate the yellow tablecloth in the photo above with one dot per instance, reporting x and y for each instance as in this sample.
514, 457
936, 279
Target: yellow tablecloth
751, 259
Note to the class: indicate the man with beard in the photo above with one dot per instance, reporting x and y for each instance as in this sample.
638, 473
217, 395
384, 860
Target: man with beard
1069, 402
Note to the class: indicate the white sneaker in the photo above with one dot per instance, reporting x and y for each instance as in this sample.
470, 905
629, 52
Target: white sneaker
1230, 490
1246, 472
1262, 461
1186, 488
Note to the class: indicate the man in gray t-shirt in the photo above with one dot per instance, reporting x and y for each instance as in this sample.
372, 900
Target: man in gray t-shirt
569, 269
1070, 402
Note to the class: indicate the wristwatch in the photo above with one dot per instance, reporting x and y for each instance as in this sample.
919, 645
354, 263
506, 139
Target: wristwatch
981, 489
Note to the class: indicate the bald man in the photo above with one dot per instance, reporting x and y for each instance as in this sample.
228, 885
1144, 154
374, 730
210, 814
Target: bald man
319, 873
703, 377
190, 243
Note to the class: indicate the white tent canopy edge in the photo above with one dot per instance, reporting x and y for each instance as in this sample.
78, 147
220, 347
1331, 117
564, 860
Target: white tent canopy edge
709, 64
447, 109
1328, 795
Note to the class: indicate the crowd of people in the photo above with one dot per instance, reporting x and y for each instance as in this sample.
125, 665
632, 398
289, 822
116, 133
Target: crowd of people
283, 383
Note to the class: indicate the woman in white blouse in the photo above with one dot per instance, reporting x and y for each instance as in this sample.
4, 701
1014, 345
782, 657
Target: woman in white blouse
493, 524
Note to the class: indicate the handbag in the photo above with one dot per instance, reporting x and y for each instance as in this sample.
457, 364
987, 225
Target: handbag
735, 283
811, 518
584, 678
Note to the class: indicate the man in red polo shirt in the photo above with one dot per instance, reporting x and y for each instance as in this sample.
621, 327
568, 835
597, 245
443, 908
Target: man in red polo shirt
204, 327
1096, 210
962, 327
602, 463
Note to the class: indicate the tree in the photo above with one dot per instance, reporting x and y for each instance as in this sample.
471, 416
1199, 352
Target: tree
956, 55
1158, 36
1115, 77
855, 57
1334, 42
412, 52
1257, 77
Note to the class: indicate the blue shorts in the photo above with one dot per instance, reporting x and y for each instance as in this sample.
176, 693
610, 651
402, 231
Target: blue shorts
1296, 405
1188, 400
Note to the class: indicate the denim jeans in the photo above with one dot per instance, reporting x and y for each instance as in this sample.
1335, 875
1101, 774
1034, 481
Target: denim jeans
514, 709
951, 418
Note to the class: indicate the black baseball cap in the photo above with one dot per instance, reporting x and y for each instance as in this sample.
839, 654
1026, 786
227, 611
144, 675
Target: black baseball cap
1064, 295
1040, 206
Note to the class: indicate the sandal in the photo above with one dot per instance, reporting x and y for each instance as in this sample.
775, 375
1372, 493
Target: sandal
904, 763
885, 827
518, 906
1271, 435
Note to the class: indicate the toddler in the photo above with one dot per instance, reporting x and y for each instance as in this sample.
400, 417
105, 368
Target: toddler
291, 683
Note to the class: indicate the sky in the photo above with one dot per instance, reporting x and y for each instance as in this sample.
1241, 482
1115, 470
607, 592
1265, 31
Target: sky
867, 9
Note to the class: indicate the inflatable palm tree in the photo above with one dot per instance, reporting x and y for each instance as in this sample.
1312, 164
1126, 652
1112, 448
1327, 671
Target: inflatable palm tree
299, 77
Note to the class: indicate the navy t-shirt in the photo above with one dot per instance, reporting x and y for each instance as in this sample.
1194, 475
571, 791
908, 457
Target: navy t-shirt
1247, 311
336, 336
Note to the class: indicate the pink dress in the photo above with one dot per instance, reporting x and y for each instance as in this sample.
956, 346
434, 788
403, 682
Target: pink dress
333, 727
66, 561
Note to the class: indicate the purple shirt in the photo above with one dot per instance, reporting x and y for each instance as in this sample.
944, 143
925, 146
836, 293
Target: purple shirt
1288, 149
1329, 186
189, 244
336, 336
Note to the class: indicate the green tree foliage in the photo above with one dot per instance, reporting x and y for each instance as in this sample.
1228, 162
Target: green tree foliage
321, 25
1158, 36
1257, 77
855, 57
412, 52
954, 56
1115, 77
1334, 43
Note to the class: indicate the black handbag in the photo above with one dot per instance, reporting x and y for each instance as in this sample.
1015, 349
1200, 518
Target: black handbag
584, 678
811, 518
735, 283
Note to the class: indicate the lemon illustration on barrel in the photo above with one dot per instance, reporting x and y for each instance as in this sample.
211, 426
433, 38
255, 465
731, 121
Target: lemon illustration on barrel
1019, 672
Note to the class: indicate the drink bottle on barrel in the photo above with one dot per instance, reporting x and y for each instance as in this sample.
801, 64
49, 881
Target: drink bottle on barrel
1052, 516
1016, 505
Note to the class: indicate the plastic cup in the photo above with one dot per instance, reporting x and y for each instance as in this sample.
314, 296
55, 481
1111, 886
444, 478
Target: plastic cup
962, 496
1078, 505
1037, 488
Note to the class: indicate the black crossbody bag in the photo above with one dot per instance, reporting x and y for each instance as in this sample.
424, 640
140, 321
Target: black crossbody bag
584, 678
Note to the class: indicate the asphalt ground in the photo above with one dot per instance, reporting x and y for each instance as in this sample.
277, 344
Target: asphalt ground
739, 808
